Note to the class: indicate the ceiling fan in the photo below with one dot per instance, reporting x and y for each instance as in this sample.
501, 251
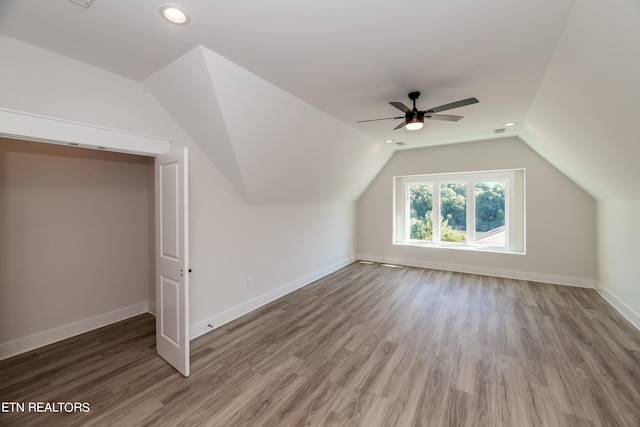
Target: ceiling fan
414, 119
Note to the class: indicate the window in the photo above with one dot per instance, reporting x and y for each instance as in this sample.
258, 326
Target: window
475, 210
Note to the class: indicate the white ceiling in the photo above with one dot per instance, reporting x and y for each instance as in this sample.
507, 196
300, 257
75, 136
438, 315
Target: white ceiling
348, 59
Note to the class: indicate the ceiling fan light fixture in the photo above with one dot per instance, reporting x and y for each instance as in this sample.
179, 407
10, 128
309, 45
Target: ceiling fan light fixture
175, 14
414, 124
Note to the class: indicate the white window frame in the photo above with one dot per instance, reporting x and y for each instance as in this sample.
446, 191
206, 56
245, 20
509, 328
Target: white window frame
514, 208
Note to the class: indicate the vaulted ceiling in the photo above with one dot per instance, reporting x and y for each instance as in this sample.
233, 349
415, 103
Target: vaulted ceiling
272, 91
273, 147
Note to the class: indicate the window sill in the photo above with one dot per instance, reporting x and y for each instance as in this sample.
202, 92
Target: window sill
460, 247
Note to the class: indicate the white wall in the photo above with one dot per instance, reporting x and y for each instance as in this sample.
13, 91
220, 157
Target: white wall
279, 247
619, 256
560, 216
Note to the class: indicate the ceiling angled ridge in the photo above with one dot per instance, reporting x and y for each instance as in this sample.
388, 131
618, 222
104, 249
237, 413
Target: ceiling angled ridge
289, 151
184, 88
83, 3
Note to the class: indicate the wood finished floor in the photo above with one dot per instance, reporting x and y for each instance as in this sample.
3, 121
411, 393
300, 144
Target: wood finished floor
366, 346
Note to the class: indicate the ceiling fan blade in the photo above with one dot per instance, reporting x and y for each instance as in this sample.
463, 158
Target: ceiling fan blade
446, 117
400, 106
375, 120
453, 105
401, 125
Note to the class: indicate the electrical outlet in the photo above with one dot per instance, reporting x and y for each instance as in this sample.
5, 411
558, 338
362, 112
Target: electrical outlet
249, 283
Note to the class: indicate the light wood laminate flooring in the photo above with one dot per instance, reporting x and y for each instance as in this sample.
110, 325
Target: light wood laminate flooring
368, 345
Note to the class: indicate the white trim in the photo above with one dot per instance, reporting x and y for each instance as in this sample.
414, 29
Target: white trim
151, 308
622, 308
449, 177
34, 127
554, 279
40, 339
457, 247
515, 235
240, 310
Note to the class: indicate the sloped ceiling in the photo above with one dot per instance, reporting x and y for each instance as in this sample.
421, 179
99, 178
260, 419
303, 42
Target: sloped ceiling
272, 90
307, 157
584, 118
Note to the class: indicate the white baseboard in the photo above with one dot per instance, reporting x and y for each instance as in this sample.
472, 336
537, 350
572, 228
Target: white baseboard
485, 271
626, 311
151, 307
40, 339
240, 310
31, 342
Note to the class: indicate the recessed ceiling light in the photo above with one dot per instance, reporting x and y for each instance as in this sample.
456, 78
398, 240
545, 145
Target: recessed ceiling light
509, 124
388, 141
175, 14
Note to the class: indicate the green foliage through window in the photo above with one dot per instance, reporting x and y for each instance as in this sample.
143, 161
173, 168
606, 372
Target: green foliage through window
453, 208
489, 205
489, 210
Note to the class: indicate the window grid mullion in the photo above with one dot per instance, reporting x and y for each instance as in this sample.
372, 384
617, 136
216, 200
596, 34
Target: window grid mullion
471, 213
435, 212
407, 212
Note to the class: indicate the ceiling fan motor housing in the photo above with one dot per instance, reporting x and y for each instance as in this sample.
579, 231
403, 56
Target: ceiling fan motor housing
413, 96
414, 116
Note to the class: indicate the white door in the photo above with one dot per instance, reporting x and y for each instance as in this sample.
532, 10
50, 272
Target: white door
172, 258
